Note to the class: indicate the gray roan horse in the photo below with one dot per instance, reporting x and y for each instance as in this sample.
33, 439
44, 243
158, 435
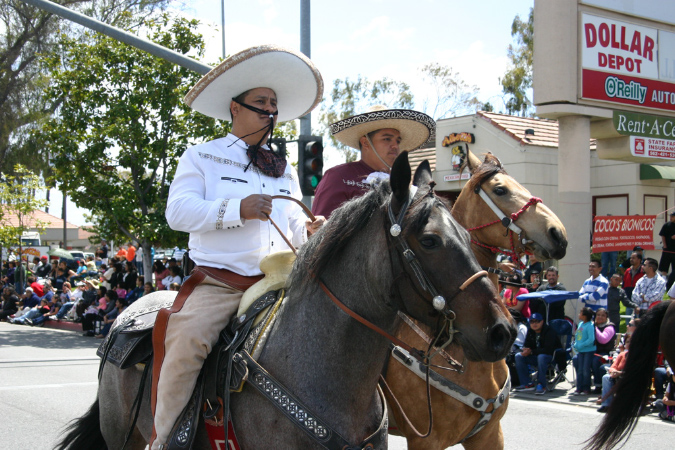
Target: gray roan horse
325, 358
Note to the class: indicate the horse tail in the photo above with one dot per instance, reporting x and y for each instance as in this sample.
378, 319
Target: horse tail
84, 433
632, 389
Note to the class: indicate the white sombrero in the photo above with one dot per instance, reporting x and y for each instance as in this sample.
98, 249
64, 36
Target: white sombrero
415, 127
292, 76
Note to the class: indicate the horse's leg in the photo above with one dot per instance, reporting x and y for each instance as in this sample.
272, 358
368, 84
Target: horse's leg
116, 392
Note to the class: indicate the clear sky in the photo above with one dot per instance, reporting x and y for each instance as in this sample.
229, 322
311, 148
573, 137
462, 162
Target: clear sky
372, 38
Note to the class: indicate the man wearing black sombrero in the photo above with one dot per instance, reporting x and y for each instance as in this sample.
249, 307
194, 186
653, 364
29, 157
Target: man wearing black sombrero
222, 195
380, 134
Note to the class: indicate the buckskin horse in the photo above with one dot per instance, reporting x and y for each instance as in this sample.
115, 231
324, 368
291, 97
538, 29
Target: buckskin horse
632, 389
469, 397
397, 248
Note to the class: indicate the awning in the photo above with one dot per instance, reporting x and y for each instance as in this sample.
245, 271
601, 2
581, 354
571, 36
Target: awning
655, 172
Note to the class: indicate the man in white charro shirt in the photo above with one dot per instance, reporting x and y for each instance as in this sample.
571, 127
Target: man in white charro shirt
222, 195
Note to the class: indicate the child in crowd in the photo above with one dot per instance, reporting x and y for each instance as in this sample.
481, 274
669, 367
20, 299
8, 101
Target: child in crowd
584, 344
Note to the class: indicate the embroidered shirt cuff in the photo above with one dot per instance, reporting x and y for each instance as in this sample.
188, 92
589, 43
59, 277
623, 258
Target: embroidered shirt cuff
227, 214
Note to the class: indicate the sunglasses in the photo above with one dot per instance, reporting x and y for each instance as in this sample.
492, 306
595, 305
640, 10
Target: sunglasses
534, 321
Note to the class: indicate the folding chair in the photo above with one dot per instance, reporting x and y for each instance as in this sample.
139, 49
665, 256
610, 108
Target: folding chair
557, 370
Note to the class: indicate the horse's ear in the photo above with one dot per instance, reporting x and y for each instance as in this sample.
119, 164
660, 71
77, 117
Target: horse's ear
472, 161
400, 178
422, 174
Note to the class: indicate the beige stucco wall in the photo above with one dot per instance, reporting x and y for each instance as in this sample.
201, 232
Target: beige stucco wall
536, 168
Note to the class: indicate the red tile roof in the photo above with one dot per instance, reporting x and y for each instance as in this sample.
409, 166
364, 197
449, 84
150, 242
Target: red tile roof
52, 221
417, 156
545, 134
545, 130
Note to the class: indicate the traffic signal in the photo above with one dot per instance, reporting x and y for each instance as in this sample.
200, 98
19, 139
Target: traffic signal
310, 162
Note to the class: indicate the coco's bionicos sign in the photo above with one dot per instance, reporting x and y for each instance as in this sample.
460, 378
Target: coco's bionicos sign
614, 233
626, 63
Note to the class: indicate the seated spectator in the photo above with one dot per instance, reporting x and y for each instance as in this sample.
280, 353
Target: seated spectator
106, 275
138, 291
630, 329
8, 278
81, 269
9, 303
174, 277
584, 344
666, 406
63, 274
55, 306
92, 270
660, 378
615, 297
37, 287
511, 296
116, 278
67, 301
161, 272
129, 277
605, 337
521, 324
48, 291
120, 305
609, 379
29, 303
93, 314
540, 343
27, 318
556, 310
148, 289
649, 289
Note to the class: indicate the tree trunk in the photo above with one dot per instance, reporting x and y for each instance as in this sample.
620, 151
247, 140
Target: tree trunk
147, 260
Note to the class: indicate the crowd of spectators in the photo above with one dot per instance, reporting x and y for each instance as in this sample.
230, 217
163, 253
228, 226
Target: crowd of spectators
93, 292
599, 349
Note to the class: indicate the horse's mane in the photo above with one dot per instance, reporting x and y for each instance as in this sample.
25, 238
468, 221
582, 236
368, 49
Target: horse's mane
349, 219
488, 168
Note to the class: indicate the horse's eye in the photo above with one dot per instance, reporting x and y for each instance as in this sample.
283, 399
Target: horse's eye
429, 242
499, 190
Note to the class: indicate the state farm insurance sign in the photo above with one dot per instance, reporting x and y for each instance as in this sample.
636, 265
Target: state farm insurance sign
627, 64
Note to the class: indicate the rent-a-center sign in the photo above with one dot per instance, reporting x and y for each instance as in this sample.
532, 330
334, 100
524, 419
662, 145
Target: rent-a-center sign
627, 64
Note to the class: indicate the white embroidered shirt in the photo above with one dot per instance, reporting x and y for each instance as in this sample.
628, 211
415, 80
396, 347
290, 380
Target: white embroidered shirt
205, 198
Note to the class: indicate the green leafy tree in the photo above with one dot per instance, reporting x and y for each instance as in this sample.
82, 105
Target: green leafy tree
26, 32
121, 128
452, 96
348, 98
17, 205
517, 80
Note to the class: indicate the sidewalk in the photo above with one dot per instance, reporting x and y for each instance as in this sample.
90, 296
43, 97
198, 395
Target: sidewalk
563, 394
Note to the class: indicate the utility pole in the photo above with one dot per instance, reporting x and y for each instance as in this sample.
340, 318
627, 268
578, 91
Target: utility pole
305, 48
222, 21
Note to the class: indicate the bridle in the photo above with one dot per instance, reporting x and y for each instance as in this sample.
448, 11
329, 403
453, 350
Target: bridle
438, 301
507, 222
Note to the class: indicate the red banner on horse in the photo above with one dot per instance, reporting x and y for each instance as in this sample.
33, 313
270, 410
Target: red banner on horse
614, 233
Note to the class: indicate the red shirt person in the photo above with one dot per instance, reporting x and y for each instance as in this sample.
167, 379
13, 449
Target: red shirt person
380, 134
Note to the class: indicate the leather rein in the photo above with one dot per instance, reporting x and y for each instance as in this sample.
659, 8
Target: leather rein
507, 222
438, 301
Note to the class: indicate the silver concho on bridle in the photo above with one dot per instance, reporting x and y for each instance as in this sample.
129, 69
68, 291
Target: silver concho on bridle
438, 301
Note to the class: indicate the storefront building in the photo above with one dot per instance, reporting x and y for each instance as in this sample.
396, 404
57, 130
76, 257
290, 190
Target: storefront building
528, 149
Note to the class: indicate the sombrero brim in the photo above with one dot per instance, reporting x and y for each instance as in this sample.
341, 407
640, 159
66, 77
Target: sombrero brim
292, 76
415, 127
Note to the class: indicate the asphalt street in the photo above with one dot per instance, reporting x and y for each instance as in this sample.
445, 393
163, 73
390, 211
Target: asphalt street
48, 378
